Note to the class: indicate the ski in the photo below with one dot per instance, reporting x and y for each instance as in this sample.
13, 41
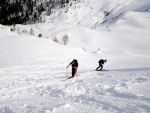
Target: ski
73, 76
101, 70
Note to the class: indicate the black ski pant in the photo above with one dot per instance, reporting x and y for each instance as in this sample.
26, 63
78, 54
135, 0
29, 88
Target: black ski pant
74, 71
100, 66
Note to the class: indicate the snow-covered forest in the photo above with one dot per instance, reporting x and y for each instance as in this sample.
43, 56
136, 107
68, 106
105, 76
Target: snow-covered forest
27, 11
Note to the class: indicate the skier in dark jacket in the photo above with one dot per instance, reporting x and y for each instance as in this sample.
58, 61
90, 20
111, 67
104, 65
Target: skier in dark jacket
101, 63
74, 64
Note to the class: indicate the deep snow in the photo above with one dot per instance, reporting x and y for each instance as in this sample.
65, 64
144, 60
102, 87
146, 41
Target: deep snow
33, 73
41, 86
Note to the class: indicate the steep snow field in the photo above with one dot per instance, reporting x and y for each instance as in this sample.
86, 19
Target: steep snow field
33, 73
41, 86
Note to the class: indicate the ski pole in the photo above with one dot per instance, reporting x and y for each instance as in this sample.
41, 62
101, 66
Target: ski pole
66, 72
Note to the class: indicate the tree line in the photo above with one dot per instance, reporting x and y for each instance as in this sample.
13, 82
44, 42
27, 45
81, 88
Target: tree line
27, 11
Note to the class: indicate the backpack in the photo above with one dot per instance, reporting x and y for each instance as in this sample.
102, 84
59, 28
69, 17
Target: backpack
101, 61
76, 62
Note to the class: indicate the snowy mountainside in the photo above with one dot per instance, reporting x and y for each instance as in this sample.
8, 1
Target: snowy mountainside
33, 60
129, 33
117, 23
91, 12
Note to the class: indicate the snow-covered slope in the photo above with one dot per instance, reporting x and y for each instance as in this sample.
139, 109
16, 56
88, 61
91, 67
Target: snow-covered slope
16, 49
36, 79
91, 12
33, 73
117, 25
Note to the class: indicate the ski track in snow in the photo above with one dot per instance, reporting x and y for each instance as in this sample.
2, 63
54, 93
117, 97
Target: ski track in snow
41, 86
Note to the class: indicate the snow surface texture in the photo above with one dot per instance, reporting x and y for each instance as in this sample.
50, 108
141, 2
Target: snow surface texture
33, 74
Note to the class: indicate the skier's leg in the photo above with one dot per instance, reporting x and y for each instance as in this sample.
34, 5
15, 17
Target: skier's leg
97, 68
101, 67
73, 72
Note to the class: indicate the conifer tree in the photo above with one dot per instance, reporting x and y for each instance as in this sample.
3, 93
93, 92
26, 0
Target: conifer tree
26, 11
